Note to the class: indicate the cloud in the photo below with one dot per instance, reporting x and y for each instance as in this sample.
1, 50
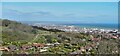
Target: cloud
17, 15
36, 16
41, 14
70, 14
11, 14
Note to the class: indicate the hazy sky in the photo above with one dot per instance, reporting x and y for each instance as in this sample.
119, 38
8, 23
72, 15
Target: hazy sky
87, 12
60, 0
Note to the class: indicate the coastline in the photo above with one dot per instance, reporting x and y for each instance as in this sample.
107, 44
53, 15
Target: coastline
80, 25
75, 28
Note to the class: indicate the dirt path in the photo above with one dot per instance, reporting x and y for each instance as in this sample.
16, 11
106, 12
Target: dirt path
36, 37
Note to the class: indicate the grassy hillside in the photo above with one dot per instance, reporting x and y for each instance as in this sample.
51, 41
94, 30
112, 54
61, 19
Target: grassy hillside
14, 31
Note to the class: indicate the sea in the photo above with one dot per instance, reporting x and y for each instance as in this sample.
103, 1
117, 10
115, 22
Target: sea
81, 25
99, 26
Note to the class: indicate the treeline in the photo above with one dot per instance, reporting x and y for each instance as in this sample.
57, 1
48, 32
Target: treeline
51, 30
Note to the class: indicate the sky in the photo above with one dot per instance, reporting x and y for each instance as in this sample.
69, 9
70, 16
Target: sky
0, 10
84, 12
60, 0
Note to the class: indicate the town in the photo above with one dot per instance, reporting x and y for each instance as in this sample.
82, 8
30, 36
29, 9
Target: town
113, 33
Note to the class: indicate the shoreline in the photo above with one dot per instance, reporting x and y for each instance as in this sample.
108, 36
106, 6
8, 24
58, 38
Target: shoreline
73, 28
81, 25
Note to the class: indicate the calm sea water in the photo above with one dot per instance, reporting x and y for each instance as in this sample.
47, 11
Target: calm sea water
104, 26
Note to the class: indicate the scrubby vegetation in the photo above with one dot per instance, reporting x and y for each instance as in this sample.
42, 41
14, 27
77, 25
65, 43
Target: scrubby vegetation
14, 31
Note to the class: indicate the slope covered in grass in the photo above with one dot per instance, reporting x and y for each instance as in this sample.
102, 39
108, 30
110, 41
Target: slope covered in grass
14, 31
